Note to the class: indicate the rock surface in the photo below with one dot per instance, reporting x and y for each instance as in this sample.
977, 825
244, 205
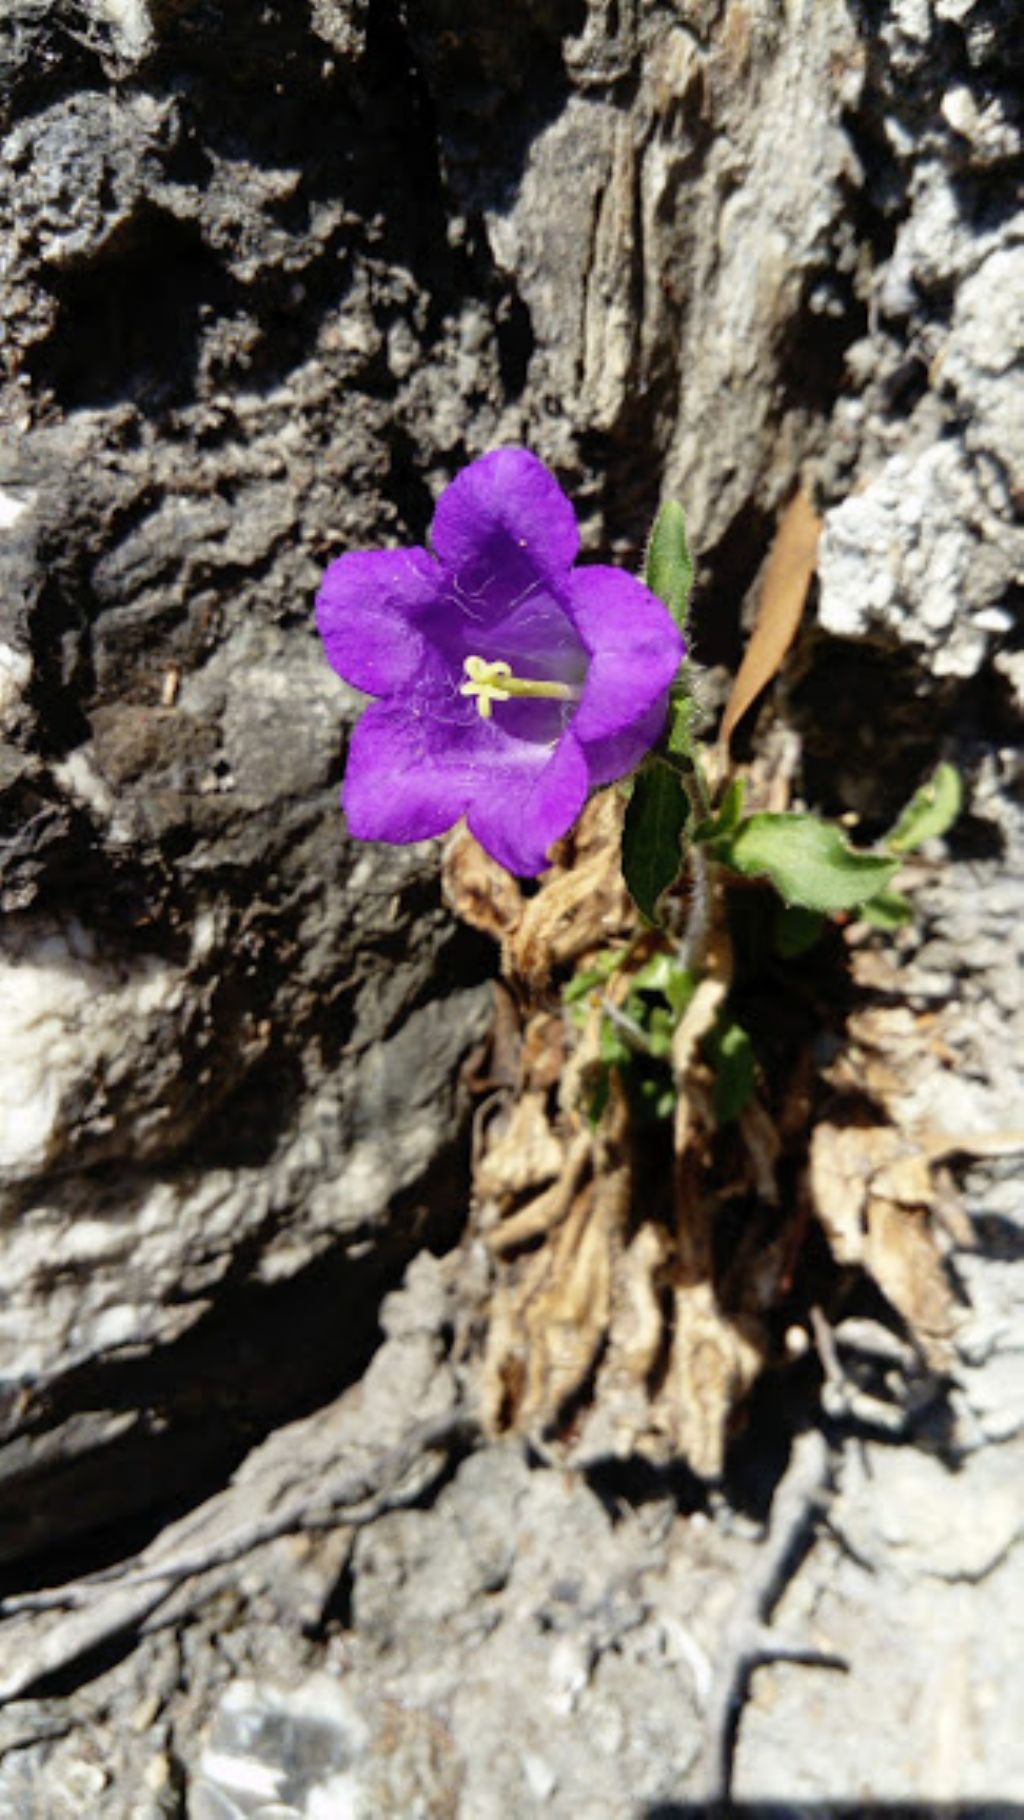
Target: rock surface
270, 277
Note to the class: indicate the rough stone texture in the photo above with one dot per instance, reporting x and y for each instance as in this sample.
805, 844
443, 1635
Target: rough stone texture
231, 1043
270, 276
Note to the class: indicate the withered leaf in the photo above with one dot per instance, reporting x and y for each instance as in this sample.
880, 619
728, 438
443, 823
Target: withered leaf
787, 577
527, 1154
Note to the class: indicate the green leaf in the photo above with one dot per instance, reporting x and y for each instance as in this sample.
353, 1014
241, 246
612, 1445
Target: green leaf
930, 812
796, 930
599, 1098
653, 1097
613, 1050
682, 720
732, 1057
662, 973
660, 1031
652, 837
668, 569
726, 817
600, 970
889, 910
807, 861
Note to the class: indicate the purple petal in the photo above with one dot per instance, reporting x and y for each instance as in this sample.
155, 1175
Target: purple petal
405, 781
410, 776
619, 753
504, 523
529, 804
635, 650
365, 610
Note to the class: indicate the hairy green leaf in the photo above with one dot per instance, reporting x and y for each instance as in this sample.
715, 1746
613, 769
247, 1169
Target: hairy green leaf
796, 930
652, 837
668, 569
889, 910
612, 1046
662, 973
807, 861
682, 718
600, 970
727, 815
732, 1057
929, 813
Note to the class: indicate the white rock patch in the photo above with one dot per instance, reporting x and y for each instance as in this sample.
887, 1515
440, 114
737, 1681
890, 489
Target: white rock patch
65, 1013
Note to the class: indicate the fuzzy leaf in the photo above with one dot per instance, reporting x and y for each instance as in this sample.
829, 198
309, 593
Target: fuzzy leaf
930, 812
732, 1057
726, 817
662, 973
597, 974
612, 1048
807, 861
668, 569
682, 719
652, 837
889, 910
796, 930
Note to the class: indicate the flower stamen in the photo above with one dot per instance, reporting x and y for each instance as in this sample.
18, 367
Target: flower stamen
493, 681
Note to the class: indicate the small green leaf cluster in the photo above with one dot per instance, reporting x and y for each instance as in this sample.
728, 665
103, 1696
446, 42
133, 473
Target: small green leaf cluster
672, 824
810, 863
813, 867
636, 1037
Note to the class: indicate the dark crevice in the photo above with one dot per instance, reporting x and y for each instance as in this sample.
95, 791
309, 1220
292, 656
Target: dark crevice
728, 570
142, 299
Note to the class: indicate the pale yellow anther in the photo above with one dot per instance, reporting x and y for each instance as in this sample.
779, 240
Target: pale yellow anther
484, 681
494, 681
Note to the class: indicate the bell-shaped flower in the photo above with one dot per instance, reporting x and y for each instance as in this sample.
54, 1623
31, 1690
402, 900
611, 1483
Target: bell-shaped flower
510, 682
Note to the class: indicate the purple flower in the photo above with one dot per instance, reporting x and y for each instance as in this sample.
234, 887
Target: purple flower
510, 683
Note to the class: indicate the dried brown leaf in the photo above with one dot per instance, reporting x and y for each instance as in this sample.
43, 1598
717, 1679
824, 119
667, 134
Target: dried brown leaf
478, 890
638, 1323
763, 1146
873, 1191
697, 1020
548, 1211
713, 1362
543, 1050
940, 1144
843, 1159
569, 1323
579, 908
787, 577
526, 1155
901, 1254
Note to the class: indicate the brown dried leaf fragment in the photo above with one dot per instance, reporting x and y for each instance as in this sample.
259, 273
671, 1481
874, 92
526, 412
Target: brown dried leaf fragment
543, 1215
873, 1191
713, 1361
478, 890
787, 577
901, 1254
582, 904
526, 1155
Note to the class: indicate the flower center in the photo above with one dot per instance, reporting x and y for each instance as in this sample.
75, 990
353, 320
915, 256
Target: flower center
494, 681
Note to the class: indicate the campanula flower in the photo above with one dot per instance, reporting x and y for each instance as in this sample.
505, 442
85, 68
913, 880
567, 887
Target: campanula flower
510, 683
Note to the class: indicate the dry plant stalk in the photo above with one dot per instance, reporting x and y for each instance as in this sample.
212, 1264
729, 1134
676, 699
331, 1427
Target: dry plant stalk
625, 1315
